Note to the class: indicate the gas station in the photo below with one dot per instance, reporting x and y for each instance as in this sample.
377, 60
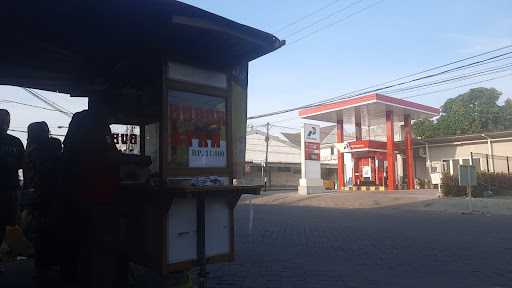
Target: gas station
368, 128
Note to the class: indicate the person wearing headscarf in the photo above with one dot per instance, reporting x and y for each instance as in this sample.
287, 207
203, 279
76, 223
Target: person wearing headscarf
41, 181
91, 175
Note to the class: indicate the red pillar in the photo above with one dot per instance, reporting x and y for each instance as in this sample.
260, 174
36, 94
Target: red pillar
341, 156
374, 170
390, 150
409, 156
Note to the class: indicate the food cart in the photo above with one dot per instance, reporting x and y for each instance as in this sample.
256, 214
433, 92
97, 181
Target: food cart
177, 72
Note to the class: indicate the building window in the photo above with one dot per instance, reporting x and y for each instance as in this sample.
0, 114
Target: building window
332, 150
446, 166
456, 164
476, 163
284, 169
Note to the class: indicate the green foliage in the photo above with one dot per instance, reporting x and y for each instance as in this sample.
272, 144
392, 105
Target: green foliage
475, 111
507, 114
424, 128
450, 186
500, 184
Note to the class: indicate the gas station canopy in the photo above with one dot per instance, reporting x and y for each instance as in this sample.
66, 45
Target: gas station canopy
376, 119
376, 105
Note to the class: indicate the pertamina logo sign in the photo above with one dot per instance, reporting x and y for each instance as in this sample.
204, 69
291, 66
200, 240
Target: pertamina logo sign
311, 142
311, 133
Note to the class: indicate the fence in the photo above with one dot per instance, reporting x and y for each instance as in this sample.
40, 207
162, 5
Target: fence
491, 163
493, 176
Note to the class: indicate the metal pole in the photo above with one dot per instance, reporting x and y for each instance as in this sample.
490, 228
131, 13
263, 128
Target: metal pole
487, 160
201, 239
471, 159
469, 191
508, 166
267, 138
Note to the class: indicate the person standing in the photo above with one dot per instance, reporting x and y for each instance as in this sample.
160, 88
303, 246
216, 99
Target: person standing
41, 178
11, 161
91, 174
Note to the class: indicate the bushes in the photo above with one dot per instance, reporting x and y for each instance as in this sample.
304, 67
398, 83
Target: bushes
450, 186
500, 184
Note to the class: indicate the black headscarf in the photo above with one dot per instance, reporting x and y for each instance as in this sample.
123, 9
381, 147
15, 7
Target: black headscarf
38, 134
89, 156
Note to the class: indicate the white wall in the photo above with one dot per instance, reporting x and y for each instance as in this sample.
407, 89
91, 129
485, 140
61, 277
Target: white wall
326, 156
459, 151
278, 152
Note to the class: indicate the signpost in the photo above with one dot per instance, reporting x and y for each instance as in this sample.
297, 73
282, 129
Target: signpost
467, 177
311, 181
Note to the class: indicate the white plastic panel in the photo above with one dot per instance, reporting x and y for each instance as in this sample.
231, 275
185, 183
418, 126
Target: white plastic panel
181, 231
217, 227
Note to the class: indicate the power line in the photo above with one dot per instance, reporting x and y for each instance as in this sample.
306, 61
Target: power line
366, 90
418, 79
430, 69
28, 105
335, 23
456, 87
443, 90
25, 132
323, 18
49, 102
298, 20
462, 77
272, 124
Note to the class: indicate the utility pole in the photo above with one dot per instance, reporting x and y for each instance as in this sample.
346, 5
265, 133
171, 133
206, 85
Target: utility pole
267, 138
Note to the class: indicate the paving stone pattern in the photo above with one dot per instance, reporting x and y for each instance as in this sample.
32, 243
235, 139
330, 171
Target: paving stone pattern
323, 241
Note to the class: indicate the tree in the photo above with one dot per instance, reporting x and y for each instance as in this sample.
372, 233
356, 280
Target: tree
424, 128
507, 114
475, 111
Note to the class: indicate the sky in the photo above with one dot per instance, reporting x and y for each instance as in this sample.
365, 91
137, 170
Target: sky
388, 40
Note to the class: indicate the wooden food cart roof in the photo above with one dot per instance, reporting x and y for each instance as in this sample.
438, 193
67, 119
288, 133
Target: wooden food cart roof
82, 47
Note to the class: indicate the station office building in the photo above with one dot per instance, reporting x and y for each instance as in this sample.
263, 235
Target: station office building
491, 152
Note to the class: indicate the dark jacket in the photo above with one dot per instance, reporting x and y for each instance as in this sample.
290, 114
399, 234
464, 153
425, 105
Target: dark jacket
90, 160
41, 173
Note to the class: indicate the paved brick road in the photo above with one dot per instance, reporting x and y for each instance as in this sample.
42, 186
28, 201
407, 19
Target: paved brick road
321, 241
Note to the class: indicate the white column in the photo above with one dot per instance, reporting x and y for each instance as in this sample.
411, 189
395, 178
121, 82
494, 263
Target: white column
311, 180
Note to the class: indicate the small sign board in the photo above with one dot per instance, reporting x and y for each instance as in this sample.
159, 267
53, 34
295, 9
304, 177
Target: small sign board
312, 151
311, 142
311, 133
467, 175
342, 147
367, 171
436, 178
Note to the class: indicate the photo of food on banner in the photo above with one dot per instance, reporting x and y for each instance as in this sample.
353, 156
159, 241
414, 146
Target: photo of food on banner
197, 130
